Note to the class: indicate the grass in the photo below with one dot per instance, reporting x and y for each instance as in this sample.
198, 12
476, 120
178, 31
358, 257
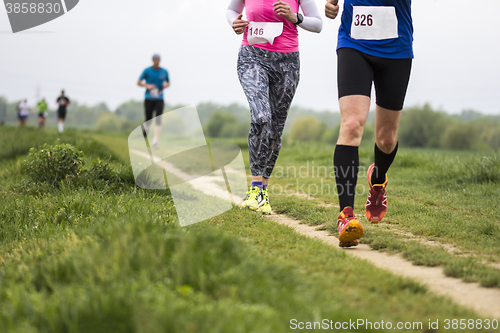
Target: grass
444, 196
113, 259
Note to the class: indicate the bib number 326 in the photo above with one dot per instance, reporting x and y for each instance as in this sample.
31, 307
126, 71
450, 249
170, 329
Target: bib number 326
374, 23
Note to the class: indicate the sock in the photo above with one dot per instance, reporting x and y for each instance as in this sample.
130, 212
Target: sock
258, 184
60, 126
264, 187
346, 165
383, 162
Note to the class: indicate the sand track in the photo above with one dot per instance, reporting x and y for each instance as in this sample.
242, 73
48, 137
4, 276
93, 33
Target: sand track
485, 301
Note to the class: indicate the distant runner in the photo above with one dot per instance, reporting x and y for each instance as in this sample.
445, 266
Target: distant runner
269, 70
23, 111
42, 113
375, 45
155, 79
63, 102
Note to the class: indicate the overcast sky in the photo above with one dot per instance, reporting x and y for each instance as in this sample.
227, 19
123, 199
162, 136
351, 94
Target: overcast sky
98, 50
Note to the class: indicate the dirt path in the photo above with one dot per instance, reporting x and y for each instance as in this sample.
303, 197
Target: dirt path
485, 301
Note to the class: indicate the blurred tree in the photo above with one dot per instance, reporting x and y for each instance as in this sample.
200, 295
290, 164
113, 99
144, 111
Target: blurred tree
460, 135
174, 125
422, 127
217, 122
109, 122
307, 129
3, 109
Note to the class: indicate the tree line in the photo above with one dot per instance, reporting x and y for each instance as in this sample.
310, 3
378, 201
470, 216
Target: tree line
421, 126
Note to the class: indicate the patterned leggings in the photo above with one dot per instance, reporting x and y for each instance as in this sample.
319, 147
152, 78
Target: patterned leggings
269, 80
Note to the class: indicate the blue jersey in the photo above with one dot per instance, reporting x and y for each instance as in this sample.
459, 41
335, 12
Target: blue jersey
393, 48
156, 77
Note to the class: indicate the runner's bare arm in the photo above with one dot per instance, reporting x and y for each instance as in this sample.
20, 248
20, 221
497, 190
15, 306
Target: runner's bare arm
234, 14
141, 83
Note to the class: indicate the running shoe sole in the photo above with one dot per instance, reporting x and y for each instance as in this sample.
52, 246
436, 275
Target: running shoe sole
351, 234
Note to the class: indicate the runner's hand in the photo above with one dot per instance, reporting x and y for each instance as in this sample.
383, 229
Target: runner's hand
283, 9
331, 8
150, 86
239, 25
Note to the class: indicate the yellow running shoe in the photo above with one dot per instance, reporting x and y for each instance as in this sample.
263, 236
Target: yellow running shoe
349, 228
252, 199
265, 207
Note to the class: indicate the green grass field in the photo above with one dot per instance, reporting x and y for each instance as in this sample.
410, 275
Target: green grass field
110, 257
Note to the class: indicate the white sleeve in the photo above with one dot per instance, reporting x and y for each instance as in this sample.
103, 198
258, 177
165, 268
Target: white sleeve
234, 9
312, 19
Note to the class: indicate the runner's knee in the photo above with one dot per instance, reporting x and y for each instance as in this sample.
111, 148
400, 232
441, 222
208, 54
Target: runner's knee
352, 129
387, 143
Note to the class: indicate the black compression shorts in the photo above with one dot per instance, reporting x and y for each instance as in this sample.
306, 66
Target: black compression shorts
154, 105
61, 113
357, 71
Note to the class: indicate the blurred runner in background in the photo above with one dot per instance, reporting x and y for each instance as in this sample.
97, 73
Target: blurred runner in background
42, 113
155, 79
63, 103
23, 112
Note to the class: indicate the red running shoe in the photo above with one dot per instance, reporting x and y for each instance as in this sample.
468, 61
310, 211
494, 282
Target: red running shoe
349, 228
376, 204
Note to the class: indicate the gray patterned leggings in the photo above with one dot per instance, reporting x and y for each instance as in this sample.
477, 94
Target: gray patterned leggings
269, 80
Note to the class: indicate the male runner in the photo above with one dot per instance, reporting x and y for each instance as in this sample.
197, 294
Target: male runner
269, 71
375, 44
63, 103
23, 111
42, 113
155, 79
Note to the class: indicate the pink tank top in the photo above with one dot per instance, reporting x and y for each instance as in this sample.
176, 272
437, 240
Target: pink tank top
263, 11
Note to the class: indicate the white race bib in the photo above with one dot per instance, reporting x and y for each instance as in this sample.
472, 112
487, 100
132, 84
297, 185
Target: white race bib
154, 92
374, 23
263, 32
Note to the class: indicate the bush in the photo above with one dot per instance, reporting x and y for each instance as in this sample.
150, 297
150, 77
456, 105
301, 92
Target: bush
422, 127
239, 130
100, 170
217, 122
111, 122
331, 135
53, 164
460, 136
307, 129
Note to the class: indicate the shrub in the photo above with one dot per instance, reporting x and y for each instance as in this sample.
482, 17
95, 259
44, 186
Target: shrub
422, 127
460, 136
217, 122
238, 130
52, 164
100, 170
110, 122
331, 135
307, 129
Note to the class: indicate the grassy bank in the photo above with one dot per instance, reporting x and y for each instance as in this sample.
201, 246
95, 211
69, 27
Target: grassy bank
77, 258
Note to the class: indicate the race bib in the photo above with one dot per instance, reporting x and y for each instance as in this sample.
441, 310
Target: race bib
374, 23
154, 92
263, 32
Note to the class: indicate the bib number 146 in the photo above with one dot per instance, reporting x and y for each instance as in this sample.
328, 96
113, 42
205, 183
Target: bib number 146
256, 32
